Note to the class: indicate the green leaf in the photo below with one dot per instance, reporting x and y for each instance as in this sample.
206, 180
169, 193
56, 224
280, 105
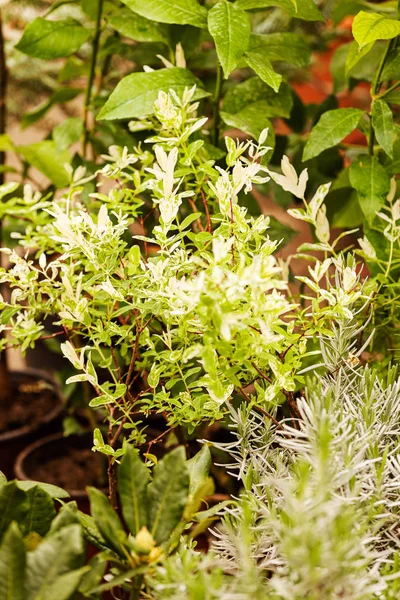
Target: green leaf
61, 96
14, 505
52, 39
56, 556
372, 183
251, 120
286, 47
41, 512
138, 28
106, 519
199, 469
133, 478
278, 231
264, 69
384, 128
255, 91
47, 159
168, 494
230, 29
355, 54
333, 126
67, 132
135, 95
393, 97
182, 12
304, 9
369, 27
392, 66
12, 565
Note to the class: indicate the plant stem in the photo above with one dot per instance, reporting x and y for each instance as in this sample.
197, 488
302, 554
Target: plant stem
217, 98
375, 87
89, 89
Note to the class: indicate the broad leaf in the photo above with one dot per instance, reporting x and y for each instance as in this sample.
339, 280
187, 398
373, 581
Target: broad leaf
286, 47
303, 9
355, 54
106, 519
133, 478
138, 28
254, 91
230, 29
57, 555
384, 128
12, 565
372, 183
47, 159
52, 39
14, 505
62, 95
52, 490
252, 120
369, 27
135, 95
333, 126
264, 69
67, 132
40, 514
168, 494
182, 12
199, 469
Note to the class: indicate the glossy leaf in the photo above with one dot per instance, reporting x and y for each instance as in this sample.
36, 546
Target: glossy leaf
47, 159
369, 27
264, 69
133, 478
135, 95
14, 505
286, 47
106, 518
303, 9
138, 28
41, 512
230, 29
251, 120
52, 39
372, 183
168, 494
333, 126
254, 91
52, 490
384, 128
12, 565
182, 12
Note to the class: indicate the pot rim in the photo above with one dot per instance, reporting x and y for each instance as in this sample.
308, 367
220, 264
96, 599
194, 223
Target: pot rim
8, 436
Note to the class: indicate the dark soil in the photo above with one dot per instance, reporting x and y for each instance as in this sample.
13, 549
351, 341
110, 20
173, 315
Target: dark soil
32, 399
74, 469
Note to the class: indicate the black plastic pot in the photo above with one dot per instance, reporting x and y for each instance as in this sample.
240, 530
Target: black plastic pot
14, 440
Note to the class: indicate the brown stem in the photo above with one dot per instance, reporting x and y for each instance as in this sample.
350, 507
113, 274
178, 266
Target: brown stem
203, 198
111, 473
260, 409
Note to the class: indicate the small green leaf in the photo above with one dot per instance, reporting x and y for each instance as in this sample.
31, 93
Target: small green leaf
52, 39
286, 47
372, 183
67, 132
133, 478
355, 54
138, 28
230, 29
12, 565
47, 159
101, 401
384, 128
333, 126
252, 120
14, 505
168, 494
264, 69
369, 27
304, 9
135, 95
181, 12
106, 519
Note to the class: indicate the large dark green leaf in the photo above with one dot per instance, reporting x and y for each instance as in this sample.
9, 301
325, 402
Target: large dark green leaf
133, 478
106, 519
12, 565
369, 27
138, 28
47, 159
230, 29
52, 565
182, 12
287, 47
135, 95
254, 91
52, 490
52, 39
384, 128
168, 494
14, 505
333, 126
41, 512
372, 183
252, 120
264, 69
303, 9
